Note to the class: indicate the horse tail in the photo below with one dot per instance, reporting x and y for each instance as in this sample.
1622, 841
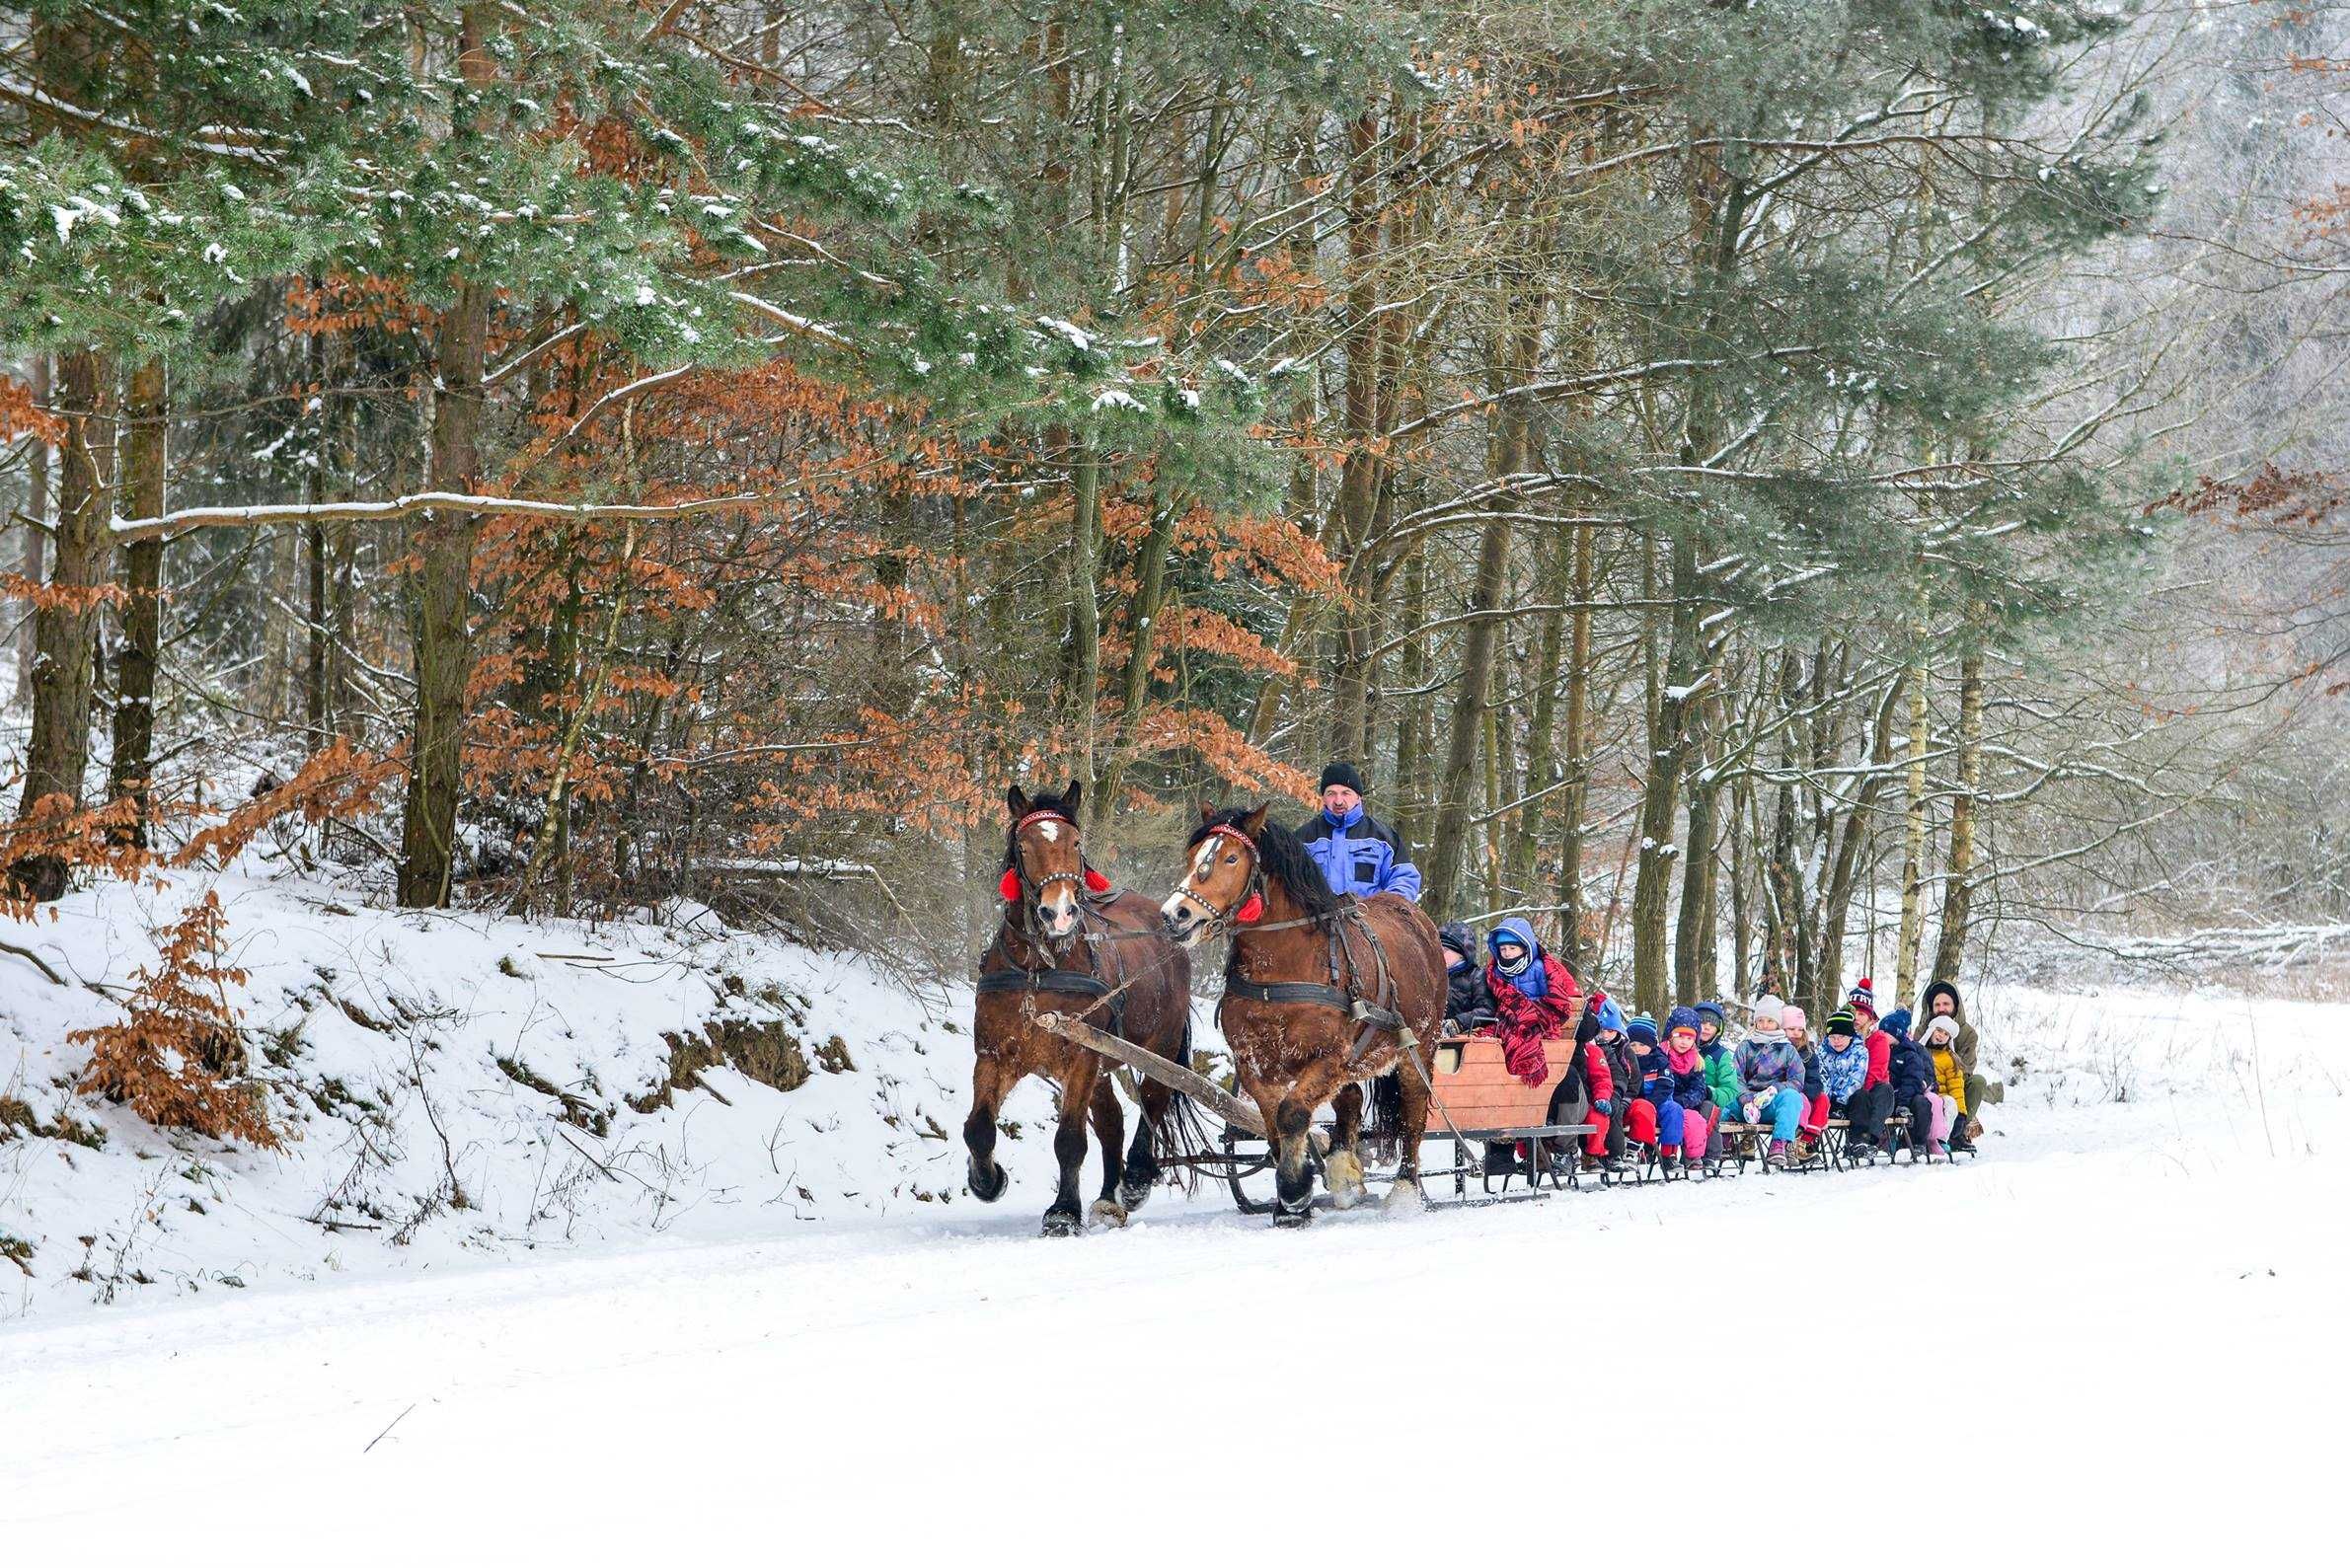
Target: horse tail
1181, 1133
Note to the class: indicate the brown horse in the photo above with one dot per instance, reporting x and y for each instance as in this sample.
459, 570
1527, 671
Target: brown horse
1070, 946
1317, 989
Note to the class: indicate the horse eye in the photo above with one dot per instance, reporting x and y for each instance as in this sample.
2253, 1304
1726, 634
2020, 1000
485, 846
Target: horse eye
1232, 860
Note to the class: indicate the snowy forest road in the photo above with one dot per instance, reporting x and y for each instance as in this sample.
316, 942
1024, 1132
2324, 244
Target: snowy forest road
2120, 1325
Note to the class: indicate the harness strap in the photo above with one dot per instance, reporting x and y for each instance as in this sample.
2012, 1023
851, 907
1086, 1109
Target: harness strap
1287, 991
1070, 981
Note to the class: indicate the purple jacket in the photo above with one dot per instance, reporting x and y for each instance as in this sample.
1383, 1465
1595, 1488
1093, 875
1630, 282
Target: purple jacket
1765, 1062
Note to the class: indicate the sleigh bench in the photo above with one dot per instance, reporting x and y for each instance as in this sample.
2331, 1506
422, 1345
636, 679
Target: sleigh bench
1478, 1100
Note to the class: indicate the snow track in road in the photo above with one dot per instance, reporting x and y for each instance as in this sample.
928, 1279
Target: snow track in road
2124, 1324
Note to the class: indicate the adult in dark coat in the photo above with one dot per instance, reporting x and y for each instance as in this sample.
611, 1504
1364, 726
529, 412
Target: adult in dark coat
1467, 1000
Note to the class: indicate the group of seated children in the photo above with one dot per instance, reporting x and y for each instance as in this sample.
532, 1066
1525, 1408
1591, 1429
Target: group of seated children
1673, 1091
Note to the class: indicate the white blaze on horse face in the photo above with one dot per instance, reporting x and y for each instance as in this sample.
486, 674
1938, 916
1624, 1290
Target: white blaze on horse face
1050, 830
1203, 862
1060, 908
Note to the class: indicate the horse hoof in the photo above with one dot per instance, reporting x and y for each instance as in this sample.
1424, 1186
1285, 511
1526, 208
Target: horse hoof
1059, 1224
1292, 1219
1342, 1175
1406, 1197
1132, 1194
1108, 1212
990, 1187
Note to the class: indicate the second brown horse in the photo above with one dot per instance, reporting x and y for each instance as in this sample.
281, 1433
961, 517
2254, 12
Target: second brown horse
1318, 993
1069, 945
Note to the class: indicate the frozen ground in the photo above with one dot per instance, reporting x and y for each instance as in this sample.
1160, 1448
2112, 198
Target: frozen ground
2125, 1329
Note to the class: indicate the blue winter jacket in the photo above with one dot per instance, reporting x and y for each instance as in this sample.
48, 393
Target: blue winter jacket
1656, 1076
1844, 1071
1360, 855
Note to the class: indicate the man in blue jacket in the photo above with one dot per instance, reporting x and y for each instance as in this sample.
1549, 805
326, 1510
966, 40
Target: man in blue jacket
1357, 852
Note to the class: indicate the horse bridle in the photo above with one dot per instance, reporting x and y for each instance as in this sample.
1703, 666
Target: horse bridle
1221, 920
1038, 887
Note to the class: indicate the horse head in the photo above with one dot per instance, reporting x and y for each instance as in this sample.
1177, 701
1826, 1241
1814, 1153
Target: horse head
1223, 876
1043, 866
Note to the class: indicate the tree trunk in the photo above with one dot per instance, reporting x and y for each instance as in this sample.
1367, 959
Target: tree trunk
1694, 933
1958, 887
1846, 865
65, 632
1913, 843
1150, 596
1668, 750
1578, 943
444, 546
36, 507
1084, 695
146, 428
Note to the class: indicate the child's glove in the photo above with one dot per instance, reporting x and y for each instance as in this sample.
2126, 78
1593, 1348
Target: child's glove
1603, 1106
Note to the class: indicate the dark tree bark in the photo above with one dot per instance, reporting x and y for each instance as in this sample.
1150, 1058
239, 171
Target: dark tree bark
1958, 890
146, 416
66, 633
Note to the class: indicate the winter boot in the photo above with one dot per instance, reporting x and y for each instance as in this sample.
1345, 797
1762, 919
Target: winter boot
1776, 1158
1961, 1142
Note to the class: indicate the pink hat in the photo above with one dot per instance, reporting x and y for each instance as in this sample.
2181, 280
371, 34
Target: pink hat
1793, 1018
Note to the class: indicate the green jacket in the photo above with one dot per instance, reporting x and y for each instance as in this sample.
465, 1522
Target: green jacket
1722, 1078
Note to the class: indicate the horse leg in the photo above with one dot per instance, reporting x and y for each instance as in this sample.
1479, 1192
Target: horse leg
1142, 1156
1066, 1216
1342, 1167
1413, 1117
990, 1081
1292, 1123
1109, 1128
1293, 1177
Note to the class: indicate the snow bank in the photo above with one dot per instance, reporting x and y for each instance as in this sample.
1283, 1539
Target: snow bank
466, 1087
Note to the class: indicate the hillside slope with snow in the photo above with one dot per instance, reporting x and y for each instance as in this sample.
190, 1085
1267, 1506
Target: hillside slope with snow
459, 1088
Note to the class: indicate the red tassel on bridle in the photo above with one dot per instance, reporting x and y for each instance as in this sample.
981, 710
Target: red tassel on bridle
1252, 910
1009, 888
1095, 882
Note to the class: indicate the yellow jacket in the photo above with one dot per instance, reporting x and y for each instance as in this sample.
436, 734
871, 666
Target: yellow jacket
1949, 1078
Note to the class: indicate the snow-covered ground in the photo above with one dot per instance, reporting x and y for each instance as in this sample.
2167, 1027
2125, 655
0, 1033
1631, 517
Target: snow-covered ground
2125, 1328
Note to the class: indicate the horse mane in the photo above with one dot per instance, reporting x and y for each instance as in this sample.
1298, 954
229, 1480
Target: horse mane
1282, 856
1057, 804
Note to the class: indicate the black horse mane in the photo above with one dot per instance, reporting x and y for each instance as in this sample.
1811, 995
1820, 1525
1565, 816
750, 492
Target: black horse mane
1282, 856
1057, 804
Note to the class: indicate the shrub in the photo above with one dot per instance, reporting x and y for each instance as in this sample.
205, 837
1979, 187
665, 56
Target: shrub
177, 1057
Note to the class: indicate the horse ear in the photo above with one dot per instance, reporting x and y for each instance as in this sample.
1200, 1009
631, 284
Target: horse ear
1207, 813
1254, 823
1074, 795
1018, 799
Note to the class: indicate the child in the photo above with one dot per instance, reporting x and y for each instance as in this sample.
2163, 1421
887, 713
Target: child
1771, 1077
1949, 1082
1798, 1024
1910, 1071
1650, 1090
1467, 1000
1533, 995
1844, 1070
1596, 1038
1721, 1067
1693, 1097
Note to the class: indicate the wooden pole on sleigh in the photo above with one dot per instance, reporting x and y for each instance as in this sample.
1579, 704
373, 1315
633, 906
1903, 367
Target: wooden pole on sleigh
1207, 1091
